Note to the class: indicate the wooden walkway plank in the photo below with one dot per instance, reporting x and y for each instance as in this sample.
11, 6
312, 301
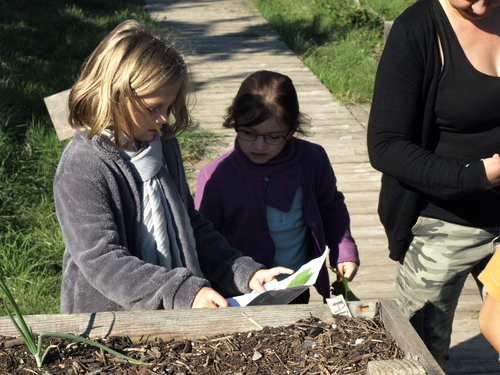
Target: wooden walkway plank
225, 41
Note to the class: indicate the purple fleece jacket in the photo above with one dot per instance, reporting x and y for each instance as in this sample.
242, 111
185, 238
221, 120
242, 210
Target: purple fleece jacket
231, 194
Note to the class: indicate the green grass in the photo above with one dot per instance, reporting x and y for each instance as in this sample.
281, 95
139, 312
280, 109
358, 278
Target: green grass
338, 40
388, 9
42, 47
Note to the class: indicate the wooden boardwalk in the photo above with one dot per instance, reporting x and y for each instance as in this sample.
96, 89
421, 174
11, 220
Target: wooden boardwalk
225, 41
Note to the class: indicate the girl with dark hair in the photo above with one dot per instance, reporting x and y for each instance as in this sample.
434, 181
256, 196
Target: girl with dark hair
274, 196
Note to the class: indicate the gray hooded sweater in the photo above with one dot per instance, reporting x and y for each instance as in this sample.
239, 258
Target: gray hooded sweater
98, 208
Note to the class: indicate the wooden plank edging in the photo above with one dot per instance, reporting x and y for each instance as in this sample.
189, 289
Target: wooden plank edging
403, 333
167, 324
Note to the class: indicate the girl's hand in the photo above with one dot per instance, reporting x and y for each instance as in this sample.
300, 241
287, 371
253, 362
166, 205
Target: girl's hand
347, 269
262, 277
208, 297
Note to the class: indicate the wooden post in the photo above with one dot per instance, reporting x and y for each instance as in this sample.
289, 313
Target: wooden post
57, 105
397, 367
387, 29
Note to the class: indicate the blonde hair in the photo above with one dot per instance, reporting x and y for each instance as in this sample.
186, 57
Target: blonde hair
131, 61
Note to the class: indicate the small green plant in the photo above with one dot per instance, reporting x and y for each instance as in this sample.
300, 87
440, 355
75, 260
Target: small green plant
28, 337
342, 287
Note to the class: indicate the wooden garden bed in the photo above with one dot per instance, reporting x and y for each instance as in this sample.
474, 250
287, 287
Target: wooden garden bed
197, 323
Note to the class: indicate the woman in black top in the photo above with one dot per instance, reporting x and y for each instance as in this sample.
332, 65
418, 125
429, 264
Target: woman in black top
434, 133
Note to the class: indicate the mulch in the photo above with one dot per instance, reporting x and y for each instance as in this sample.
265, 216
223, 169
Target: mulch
309, 346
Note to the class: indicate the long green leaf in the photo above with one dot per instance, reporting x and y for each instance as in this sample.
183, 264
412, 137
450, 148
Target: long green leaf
343, 288
90, 342
20, 324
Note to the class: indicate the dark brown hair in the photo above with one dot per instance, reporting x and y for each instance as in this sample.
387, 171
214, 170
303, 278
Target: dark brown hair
265, 94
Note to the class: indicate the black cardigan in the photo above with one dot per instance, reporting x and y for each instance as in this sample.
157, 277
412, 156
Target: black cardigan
402, 132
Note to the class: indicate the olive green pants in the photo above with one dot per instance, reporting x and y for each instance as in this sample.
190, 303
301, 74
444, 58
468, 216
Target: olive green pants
432, 274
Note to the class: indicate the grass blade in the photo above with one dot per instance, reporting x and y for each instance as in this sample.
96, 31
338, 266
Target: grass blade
90, 342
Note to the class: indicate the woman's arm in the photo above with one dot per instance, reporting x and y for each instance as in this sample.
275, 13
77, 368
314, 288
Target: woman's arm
489, 321
405, 84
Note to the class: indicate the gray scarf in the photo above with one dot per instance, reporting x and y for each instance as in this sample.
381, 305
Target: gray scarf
163, 213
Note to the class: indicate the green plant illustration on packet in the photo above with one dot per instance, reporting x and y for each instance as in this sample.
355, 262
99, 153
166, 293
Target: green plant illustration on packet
301, 279
305, 275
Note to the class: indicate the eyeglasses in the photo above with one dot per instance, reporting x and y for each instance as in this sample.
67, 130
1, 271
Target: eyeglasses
270, 139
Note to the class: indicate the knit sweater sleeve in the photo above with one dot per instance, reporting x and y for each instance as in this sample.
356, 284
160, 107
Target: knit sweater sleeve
400, 130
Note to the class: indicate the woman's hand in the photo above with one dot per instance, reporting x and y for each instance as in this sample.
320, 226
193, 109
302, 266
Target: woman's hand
208, 297
492, 168
347, 269
265, 276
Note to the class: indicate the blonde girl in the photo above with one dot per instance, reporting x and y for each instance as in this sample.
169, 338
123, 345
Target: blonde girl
133, 238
